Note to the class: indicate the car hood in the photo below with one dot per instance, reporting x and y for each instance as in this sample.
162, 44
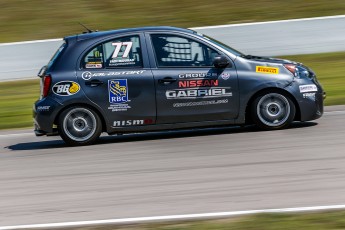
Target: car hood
269, 59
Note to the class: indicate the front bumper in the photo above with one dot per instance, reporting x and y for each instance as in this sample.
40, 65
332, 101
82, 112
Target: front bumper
311, 103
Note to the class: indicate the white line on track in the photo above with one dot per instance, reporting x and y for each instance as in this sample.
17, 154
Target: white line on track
30, 42
173, 217
9, 135
269, 22
334, 112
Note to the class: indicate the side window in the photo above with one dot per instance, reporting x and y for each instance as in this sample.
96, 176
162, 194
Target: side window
117, 53
177, 51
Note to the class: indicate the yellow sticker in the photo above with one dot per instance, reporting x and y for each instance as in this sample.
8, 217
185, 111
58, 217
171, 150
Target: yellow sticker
74, 88
265, 69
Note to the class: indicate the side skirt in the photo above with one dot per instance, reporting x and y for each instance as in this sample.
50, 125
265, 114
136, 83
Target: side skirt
146, 128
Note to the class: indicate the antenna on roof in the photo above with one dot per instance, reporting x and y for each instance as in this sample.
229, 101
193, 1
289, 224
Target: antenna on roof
88, 30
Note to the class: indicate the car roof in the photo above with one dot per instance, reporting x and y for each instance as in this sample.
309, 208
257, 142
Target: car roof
97, 34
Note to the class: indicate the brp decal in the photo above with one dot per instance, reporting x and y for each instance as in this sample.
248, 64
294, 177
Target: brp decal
66, 88
265, 69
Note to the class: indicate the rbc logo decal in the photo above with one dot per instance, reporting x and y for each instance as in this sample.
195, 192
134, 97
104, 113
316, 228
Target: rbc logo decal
118, 91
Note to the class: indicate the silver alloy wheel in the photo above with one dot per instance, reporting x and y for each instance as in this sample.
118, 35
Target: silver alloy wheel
79, 124
273, 109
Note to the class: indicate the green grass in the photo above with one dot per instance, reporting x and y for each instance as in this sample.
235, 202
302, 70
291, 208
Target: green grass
330, 70
16, 98
305, 221
41, 19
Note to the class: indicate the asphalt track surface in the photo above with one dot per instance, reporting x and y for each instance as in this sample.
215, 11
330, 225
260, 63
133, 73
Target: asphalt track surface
170, 173
23, 60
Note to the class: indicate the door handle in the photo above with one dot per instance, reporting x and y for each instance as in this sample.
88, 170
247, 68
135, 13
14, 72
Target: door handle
94, 83
167, 80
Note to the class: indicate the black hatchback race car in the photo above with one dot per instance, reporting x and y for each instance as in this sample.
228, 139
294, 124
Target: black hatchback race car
162, 78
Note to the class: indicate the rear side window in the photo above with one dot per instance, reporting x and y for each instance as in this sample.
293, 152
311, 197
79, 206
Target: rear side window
56, 55
117, 53
178, 51
94, 59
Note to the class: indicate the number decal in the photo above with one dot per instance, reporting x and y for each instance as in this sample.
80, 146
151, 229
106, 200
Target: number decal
118, 46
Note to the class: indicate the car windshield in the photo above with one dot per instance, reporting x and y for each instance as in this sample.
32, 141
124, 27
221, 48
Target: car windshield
222, 45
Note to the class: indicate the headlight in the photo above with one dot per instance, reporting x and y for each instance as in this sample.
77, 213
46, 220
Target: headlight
299, 71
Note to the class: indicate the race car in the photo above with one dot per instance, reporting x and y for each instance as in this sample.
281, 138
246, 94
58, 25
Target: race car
164, 78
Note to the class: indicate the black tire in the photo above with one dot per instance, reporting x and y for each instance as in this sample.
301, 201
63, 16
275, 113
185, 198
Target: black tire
272, 110
79, 125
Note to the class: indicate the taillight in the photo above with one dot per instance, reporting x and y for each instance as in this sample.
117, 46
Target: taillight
291, 68
47, 80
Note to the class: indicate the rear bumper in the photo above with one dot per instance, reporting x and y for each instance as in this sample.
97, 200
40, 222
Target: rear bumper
40, 133
44, 112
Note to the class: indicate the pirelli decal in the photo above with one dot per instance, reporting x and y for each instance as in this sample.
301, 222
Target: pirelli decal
265, 69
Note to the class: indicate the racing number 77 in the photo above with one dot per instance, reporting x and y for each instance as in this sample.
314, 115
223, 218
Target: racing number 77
118, 46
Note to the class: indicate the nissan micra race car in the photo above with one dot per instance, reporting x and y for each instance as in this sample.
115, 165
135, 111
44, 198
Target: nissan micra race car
163, 78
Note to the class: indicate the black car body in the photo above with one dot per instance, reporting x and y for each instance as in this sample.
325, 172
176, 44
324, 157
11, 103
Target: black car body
161, 78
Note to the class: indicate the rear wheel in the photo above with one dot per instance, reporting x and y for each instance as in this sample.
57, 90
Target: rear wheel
79, 126
272, 111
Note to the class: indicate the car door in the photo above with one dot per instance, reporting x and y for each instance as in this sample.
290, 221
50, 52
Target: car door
188, 87
115, 76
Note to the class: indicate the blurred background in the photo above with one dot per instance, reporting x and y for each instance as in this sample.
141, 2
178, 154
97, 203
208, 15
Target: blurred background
22, 20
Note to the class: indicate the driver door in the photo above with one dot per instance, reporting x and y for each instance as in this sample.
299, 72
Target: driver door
188, 87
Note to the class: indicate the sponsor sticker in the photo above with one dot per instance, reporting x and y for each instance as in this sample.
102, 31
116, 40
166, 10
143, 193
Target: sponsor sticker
115, 62
310, 96
198, 93
197, 75
66, 88
44, 108
132, 122
88, 75
200, 103
118, 95
93, 65
197, 83
307, 88
265, 69
225, 76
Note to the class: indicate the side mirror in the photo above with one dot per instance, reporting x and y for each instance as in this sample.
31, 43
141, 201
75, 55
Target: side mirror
221, 62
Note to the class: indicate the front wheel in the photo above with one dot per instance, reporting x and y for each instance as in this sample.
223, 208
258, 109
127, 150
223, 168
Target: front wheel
79, 126
272, 111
